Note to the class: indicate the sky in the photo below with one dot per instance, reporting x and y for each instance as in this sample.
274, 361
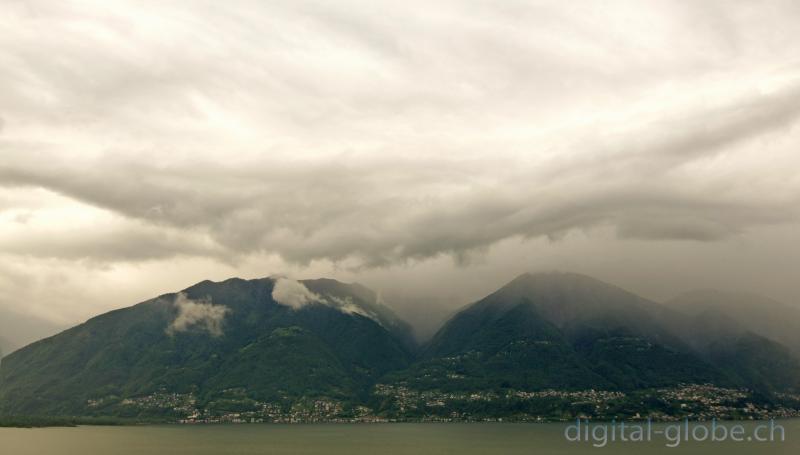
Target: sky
429, 150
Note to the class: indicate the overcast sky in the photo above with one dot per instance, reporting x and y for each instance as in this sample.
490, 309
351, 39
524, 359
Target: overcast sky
430, 150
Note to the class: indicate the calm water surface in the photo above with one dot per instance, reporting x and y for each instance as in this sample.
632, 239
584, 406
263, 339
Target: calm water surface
390, 439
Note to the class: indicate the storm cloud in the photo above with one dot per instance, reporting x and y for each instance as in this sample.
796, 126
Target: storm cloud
316, 137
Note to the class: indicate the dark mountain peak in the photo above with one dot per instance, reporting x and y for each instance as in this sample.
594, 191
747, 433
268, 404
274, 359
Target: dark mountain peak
196, 290
565, 297
352, 299
558, 279
320, 285
335, 286
553, 275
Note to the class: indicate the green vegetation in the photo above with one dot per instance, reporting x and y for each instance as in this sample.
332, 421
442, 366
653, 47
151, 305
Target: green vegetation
272, 350
543, 347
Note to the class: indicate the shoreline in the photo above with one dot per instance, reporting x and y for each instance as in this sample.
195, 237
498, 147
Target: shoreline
34, 423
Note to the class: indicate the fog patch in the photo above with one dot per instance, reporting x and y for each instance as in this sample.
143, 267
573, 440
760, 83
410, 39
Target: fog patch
293, 293
200, 313
346, 305
296, 295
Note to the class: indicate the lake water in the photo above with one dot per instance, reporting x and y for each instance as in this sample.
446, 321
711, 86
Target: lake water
390, 439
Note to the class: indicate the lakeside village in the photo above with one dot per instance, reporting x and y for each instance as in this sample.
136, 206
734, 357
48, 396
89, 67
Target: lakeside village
398, 403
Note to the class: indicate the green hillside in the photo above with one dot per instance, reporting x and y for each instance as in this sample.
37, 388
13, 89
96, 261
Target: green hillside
237, 336
559, 331
573, 336
543, 346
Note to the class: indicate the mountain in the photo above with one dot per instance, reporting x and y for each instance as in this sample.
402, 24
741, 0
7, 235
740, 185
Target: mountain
561, 344
755, 313
367, 300
563, 331
553, 345
271, 340
746, 335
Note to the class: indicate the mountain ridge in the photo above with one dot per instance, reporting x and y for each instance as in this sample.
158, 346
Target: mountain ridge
239, 345
182, 341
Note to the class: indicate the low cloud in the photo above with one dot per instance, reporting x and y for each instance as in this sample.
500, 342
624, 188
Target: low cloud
199, 313
346, 305
294, 294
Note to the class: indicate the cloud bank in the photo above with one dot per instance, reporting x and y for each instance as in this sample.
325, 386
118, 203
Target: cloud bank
303, 136
334, 134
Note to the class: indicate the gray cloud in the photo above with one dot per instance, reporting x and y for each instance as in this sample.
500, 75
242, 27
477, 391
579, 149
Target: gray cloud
319, 136
308, 211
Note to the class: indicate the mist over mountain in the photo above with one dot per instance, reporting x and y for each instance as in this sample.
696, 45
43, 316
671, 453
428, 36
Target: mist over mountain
17, 330
568, 330
601, 335
275, 348
759, 314
5, 347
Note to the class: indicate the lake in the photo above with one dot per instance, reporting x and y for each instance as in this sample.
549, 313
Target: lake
348, 439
